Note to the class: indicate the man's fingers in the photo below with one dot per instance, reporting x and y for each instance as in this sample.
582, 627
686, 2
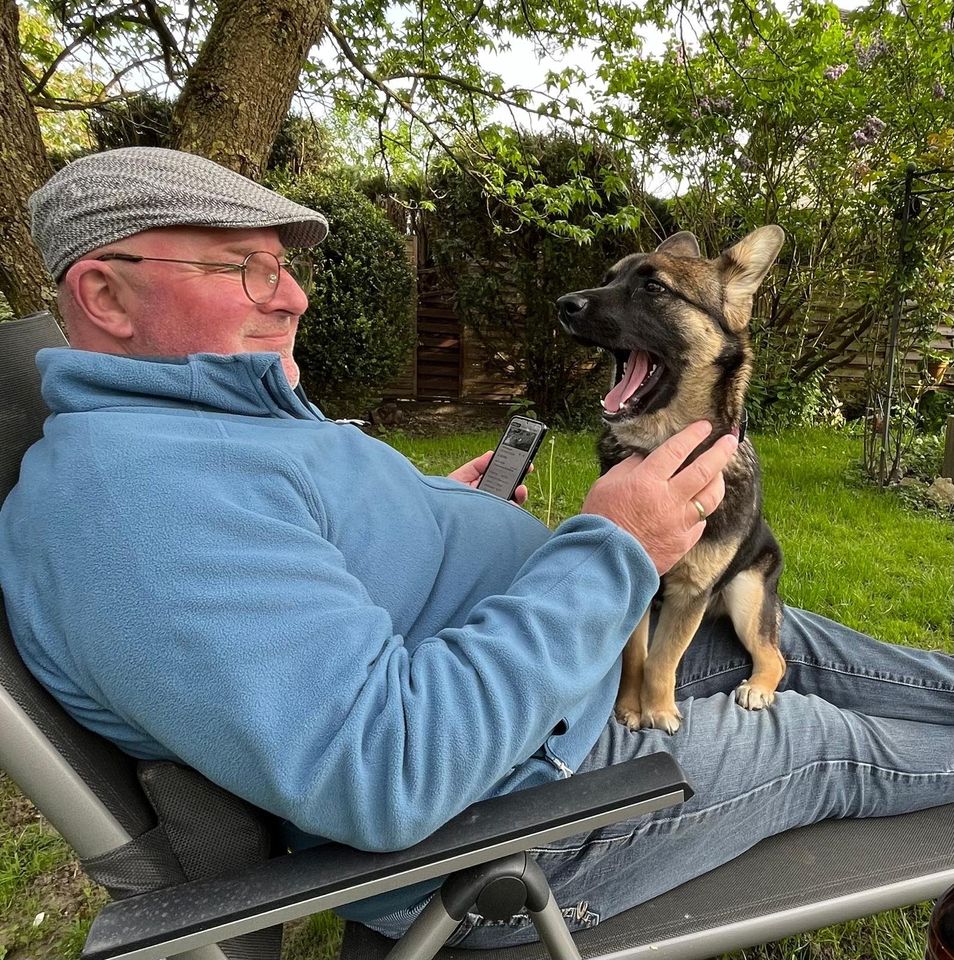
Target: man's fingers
625, 466
705, 468
706, 501
668, 457
473, 470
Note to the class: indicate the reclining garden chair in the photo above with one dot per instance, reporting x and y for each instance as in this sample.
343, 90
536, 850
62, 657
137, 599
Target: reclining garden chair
192, 869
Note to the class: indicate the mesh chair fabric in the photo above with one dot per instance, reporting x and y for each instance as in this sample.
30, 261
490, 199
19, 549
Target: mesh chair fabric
801, 867
22, 410
108, 772
145, 863
210, 830
212, 833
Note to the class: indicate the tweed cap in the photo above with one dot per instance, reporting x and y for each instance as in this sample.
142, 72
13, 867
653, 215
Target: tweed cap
112, 195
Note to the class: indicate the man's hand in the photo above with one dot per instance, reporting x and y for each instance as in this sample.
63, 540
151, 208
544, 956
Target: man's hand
661, 508
471, 472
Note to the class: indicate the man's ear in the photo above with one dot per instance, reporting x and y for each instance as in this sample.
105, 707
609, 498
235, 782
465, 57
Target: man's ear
743, 267
682, 244
101, 296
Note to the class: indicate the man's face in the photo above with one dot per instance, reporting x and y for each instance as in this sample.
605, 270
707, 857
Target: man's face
178, 309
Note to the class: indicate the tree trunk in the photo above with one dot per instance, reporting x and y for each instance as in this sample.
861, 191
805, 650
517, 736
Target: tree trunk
24, 281
239, 91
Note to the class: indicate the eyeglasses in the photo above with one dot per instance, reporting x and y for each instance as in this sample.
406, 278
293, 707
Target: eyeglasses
261, 271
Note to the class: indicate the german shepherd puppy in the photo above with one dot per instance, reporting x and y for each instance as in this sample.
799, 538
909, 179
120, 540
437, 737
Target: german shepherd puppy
677, 326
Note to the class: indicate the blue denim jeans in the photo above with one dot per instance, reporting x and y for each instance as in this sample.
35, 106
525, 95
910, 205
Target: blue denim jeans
859, 728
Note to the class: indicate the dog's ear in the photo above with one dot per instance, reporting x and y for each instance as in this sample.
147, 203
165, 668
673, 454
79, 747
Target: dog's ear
682, 244
743, 267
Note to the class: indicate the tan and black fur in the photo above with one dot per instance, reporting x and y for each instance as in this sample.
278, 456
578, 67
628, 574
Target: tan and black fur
690, 316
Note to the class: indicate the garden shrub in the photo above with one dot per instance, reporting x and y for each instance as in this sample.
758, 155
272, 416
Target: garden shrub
142, 120
933, 409
357, 331
791, 403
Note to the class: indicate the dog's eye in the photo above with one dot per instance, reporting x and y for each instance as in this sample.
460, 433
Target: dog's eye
654, 286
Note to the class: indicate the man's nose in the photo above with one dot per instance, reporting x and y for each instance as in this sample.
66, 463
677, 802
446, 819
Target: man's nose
289, 297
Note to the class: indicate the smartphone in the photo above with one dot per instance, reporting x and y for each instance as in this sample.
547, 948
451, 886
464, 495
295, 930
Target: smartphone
513, 456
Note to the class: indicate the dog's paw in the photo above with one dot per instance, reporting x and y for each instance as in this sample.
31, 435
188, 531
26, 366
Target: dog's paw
753, 697
668, 719
629, 715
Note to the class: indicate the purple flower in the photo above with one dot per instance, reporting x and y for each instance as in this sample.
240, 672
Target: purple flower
715, 105
833, 73
868, 133
939, 92
867, 55
744, 163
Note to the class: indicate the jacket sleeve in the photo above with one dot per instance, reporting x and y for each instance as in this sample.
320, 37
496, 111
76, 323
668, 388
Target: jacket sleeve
238, 639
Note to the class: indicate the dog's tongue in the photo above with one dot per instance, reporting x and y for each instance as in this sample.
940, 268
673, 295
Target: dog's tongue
634, 373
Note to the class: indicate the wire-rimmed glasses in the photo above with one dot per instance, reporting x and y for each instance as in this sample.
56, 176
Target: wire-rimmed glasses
261, 271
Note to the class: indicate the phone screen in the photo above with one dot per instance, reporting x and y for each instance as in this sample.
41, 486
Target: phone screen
511, 459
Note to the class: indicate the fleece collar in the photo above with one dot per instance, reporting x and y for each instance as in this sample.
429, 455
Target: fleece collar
246, 384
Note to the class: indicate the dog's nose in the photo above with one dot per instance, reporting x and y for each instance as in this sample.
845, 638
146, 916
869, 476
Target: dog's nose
572, 306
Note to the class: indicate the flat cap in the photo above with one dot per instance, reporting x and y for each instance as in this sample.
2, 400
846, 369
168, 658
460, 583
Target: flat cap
108, 196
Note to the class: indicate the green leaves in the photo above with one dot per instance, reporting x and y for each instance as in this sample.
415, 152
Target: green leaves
357, 330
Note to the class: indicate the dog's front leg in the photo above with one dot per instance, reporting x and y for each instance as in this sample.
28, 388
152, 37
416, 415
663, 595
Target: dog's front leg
679, 618
631, 682
756, 613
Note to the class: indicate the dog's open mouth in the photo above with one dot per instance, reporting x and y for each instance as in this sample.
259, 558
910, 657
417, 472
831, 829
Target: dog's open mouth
641, 374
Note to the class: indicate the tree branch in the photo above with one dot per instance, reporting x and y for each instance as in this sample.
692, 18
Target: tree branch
95, 24
117, 77
64, 104
167, 42
762, 36
506, 101
408, 108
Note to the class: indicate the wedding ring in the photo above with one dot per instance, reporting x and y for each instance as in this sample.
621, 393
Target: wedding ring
701, 509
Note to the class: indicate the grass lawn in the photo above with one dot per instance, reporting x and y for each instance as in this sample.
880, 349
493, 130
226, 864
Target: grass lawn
852, 554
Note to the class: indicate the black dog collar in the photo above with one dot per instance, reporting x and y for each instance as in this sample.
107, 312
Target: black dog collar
739, 430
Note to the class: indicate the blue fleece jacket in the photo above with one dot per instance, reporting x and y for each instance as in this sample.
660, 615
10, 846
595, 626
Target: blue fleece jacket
200, 567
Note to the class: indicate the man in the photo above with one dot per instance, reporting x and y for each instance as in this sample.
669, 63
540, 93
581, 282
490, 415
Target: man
200, 566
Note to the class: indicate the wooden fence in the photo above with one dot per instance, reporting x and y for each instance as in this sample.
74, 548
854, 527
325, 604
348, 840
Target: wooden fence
445, 363
852, 366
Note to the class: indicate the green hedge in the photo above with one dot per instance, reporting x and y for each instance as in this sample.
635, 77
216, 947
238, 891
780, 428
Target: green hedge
357, 332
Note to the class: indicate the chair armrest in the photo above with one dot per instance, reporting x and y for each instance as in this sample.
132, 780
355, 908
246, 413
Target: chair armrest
202, 912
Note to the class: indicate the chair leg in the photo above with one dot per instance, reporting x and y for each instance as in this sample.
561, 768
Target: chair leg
554, 932
499, 889
427, 934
